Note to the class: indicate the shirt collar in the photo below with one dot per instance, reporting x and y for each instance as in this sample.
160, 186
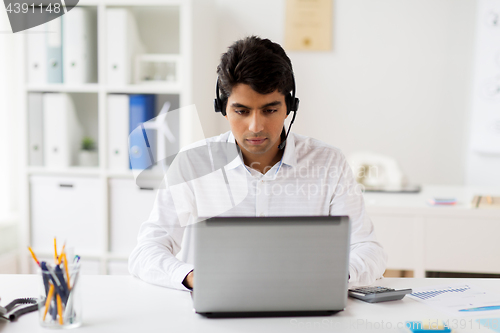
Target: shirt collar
289, 157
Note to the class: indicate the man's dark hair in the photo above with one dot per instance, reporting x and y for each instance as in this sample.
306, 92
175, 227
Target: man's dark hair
260, 63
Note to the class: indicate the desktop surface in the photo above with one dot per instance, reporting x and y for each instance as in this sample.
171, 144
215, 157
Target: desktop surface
126, 304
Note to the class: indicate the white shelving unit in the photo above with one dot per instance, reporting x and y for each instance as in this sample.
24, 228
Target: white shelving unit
197, 68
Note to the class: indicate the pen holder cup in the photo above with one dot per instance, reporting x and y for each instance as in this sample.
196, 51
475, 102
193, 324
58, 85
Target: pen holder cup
60, 301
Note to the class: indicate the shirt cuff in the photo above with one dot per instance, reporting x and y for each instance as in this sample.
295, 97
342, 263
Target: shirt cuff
353, 276
180, 274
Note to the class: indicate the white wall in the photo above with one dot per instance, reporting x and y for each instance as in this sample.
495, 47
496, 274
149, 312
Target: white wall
397, 82
483, 153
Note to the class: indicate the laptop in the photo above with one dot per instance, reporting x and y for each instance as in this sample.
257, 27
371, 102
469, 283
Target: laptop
271, 266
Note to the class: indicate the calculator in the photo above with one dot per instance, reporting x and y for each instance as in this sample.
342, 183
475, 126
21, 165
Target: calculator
378, 294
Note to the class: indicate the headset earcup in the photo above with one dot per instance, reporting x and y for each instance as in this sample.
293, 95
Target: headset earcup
223, 107
292, 104
289, 104
217, 107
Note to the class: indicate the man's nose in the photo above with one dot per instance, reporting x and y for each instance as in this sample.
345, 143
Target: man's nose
256, 122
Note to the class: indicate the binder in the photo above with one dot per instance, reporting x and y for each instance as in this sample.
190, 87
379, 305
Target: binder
79, 46
123, 43
142, 142
118, 131
35, 129
62, 132
37, 55
54, 51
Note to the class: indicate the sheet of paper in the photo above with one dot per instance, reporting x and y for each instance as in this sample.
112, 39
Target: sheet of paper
308, 25
459, 300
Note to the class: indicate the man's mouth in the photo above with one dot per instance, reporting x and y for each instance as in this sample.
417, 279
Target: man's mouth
256, 141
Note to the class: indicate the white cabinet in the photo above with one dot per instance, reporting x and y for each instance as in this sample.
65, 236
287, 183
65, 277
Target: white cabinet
129, 206
395, 233
421, 237
462, 244
68, 208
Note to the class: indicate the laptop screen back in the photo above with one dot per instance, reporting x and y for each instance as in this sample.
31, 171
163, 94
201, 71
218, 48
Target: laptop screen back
249, 264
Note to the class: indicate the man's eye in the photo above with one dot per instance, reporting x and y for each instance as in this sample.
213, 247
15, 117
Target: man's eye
271, 110
240, 111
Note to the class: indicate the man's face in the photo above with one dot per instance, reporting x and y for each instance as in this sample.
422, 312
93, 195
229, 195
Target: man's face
256, 121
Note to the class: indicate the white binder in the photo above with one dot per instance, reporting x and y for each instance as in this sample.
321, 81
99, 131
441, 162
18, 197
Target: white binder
62, 131
118, 130
37, 55
35, 128
79, 46
123, 43
54, 51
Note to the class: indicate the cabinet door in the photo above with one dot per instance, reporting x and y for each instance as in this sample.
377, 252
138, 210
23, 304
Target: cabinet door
69, 208
397, 236
130, 205
462, 245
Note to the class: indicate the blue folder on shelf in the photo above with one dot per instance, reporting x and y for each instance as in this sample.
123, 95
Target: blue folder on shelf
142, 142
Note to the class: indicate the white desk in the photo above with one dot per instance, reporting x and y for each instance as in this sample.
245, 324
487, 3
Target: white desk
421, 237
126, 304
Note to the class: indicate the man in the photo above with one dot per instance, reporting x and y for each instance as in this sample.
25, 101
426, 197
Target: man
284, 175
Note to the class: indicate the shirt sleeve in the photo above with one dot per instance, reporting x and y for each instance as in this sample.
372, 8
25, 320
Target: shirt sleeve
367, 261
153, 259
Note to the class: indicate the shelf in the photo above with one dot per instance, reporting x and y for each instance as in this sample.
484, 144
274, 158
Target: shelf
81, 88
146, 89
130, 175
95, 88
71, 171
135, 3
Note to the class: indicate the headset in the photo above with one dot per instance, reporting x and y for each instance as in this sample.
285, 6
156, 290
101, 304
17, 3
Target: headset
292, 104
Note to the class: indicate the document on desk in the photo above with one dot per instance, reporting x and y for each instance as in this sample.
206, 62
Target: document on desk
460, 300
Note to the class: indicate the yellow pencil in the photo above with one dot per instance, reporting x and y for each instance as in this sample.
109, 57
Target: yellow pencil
62, 251
34, 256
55, 251
63, 254
47, 301
59, 309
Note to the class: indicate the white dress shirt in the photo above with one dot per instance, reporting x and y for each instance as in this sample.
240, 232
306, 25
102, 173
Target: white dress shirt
312, 179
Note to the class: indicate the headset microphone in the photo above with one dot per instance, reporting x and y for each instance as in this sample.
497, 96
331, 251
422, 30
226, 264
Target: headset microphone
283, 143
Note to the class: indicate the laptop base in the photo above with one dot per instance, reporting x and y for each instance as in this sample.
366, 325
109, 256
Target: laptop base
268, 314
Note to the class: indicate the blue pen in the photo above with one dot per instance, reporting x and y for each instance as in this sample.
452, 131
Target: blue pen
64, 285
46, 276
57, 284
481, 308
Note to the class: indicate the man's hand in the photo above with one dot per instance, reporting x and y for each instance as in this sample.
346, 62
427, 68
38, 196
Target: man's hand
188, 281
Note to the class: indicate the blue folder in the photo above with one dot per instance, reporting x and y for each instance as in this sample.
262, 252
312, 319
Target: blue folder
142, 142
